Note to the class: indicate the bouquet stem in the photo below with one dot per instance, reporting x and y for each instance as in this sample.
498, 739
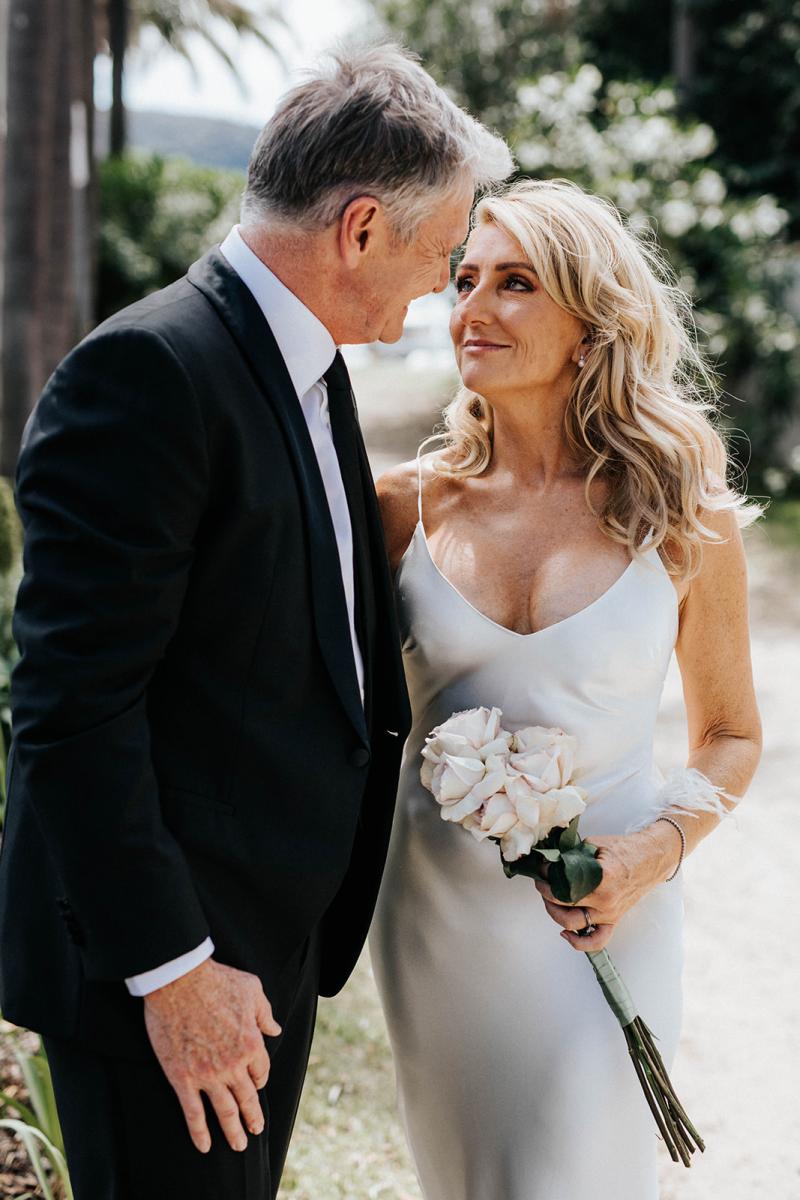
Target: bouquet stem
679, 1134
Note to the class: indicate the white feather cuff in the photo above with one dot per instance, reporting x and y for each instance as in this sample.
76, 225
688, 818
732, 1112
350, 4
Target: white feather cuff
687, 792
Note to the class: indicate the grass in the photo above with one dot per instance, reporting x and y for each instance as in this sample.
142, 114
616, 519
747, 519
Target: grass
347, 1143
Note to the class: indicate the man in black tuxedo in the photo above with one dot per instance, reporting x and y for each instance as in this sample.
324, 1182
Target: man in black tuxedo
209, 708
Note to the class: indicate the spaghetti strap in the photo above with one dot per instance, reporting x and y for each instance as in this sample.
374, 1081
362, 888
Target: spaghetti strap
419, 487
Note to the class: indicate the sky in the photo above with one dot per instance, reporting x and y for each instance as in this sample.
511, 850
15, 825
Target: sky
159, 80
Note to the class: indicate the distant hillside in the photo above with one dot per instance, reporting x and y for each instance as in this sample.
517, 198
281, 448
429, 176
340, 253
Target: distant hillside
204, 140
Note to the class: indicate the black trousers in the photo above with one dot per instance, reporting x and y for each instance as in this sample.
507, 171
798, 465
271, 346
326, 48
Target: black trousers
124, 1131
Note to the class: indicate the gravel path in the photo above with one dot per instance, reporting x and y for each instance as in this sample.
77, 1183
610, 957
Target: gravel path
740, 1054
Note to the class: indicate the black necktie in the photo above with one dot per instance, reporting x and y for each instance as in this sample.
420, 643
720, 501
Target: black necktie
346, 438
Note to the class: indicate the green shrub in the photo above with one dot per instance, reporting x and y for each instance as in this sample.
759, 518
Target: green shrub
156, 217
627, 141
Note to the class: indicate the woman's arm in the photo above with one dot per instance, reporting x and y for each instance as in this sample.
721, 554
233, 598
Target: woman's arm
713, 652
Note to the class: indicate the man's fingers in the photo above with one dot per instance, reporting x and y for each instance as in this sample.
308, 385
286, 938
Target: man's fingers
264, 1018
226, 1107
258, 1068
195, 1116
246, 1097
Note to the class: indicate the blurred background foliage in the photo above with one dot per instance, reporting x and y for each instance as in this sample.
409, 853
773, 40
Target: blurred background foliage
156, 217
686, 113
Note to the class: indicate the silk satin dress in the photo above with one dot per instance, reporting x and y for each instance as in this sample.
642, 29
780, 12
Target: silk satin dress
514, 1082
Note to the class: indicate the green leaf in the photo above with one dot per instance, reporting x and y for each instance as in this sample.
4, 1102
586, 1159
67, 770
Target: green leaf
550, 855
570, 838
36, 1073
583, 872
528, 865
25, 1113
38, 1146
576, 874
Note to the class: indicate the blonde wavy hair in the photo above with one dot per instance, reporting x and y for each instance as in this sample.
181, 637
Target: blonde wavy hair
641, 410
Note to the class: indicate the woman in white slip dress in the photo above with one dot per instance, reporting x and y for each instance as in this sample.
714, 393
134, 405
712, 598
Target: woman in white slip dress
576, 529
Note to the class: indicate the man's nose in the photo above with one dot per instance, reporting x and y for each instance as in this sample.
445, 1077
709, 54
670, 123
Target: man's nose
444, 277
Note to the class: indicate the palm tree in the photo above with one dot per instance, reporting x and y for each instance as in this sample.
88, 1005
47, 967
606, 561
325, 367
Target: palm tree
46, 201
178, 22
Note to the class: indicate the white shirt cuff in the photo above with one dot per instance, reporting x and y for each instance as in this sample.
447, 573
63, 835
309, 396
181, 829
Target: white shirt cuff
150, 981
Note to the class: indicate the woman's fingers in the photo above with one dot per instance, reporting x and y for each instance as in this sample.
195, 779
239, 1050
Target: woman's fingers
573, 918
590, 941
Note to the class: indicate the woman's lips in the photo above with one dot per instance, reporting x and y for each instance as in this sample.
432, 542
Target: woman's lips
479, 347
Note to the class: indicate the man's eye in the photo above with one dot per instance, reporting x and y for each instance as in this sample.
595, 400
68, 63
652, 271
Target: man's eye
463, 284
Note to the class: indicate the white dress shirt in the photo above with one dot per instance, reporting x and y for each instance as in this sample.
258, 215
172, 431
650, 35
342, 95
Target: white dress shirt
308, 351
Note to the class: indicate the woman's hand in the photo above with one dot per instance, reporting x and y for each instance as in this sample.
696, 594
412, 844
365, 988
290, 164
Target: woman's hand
632, 865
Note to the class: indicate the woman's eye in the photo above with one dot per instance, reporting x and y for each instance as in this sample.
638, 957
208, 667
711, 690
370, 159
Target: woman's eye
464, 284
517, 283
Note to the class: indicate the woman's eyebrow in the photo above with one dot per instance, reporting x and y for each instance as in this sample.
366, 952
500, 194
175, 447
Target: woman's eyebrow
503, 266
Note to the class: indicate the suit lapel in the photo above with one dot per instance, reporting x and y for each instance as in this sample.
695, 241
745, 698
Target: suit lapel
213, 276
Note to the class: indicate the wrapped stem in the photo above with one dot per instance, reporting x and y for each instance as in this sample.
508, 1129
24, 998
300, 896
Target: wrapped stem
616, 993
679, 1134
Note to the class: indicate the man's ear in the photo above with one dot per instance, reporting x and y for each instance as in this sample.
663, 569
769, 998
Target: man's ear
362, 224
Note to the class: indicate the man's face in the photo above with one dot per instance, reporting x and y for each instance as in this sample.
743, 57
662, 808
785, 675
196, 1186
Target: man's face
400, 272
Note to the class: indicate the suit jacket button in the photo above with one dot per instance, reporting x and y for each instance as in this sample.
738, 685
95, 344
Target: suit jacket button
359, 757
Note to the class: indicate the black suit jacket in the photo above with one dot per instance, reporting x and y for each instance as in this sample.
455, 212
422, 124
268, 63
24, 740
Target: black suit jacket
190, 753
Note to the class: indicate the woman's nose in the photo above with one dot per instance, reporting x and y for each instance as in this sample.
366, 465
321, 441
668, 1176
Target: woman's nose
473, 306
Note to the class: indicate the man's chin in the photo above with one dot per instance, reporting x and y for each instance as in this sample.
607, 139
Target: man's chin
392, 332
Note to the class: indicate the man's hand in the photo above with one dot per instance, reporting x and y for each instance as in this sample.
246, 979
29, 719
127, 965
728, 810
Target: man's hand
207, 1029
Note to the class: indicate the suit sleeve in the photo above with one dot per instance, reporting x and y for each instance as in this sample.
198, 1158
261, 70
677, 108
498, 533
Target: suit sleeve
111, 485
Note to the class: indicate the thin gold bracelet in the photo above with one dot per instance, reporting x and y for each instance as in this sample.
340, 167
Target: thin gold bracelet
682, 836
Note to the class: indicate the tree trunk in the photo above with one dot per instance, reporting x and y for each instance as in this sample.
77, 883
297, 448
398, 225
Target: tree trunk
118, 42
683, 48
3, 89
46, 227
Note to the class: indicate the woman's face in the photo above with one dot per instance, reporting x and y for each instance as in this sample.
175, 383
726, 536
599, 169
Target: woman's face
509, 336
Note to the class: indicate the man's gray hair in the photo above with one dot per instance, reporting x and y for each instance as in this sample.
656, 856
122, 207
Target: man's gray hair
373, 123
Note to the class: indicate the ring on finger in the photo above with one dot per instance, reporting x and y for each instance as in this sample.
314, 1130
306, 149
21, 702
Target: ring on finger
589, 927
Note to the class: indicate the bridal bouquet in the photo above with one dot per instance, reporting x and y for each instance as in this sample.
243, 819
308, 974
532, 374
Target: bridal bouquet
516, 789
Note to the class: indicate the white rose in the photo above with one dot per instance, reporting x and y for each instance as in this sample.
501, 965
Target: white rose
475, 733
545, 756
494, 820
518, 842
454, 776
540, 812
492, 781
560, 806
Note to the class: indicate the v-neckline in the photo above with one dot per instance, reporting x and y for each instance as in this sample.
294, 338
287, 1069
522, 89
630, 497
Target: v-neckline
420, 529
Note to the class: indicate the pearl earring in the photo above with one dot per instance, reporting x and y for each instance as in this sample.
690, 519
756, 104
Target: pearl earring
582, 361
